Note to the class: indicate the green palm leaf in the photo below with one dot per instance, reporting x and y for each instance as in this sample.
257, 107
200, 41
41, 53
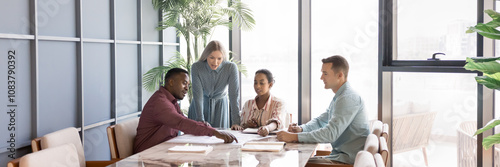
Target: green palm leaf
154, 78
489, 29
490, 81
489, 141
241, 14
488, 126
488, 66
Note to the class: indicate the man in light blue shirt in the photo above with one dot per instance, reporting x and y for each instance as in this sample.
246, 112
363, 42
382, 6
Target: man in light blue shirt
344, 123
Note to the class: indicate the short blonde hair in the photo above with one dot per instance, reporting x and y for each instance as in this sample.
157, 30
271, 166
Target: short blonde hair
213, 46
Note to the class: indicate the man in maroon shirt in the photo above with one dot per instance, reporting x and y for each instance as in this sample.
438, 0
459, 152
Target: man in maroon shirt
161, 118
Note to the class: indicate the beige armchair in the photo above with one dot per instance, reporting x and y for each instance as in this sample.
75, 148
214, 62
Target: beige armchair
121, 138
467, 145
412, 132
66, 136
63, 155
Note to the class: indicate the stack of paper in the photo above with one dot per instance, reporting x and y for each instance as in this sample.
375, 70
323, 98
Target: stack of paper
191, 149
263, 146
255, 130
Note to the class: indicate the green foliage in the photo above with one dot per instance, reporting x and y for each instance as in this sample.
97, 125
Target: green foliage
489, 141
491, 79
156, 76
195, 20
488, 30
490, 67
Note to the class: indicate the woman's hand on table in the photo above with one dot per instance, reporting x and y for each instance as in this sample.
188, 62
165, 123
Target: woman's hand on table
237, 127
226, 136
263, 131
252, 123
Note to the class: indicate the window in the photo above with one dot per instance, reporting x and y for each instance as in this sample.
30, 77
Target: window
272, 45
433, 111
354, 37
439, 28
425, 96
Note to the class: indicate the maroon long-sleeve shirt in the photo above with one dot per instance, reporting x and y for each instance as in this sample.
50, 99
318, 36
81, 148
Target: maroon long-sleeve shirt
161, 120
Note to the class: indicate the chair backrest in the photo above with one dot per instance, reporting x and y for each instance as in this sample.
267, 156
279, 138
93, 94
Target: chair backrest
58, 138
383, 149
385, 132
112, 141
58, 156
14, 162
364, 159
35, 144
121, 138
377, 128
379, 161
371, 144
412, 131
467, 144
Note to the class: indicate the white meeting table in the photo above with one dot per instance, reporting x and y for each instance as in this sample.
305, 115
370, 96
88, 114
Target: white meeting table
230, 154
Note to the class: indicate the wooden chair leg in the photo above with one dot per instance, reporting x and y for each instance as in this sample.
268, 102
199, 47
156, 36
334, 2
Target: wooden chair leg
424, 150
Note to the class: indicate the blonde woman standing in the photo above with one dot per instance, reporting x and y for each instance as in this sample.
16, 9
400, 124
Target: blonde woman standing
215, 88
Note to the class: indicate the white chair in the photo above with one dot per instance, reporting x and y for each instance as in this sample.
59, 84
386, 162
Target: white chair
372, 144
121, 138
364, 159
377, 128
412, 132
379, 161
374, 154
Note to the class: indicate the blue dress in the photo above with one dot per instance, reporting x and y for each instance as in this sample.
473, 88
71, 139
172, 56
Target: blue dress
210, 88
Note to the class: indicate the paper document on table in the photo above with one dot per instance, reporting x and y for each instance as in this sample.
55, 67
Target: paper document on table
187, 138
254, 130
190, 149
263, 146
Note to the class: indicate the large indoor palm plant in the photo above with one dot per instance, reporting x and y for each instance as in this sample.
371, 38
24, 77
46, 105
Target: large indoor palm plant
195, 20
490, 67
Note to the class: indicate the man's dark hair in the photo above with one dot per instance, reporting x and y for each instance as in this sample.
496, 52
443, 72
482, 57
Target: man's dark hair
269, 75
339, 64
172, 72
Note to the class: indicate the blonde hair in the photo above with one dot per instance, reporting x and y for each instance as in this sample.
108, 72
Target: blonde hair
213, 46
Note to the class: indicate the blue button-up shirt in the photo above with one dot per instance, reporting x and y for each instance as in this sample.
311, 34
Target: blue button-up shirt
344, 125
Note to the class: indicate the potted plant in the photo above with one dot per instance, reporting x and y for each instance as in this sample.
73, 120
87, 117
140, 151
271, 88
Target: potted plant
490, 67
195, 20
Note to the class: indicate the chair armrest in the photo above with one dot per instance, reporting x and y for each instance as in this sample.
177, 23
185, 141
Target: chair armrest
35, 144
384, 150
14, 163
323, 149
323, 152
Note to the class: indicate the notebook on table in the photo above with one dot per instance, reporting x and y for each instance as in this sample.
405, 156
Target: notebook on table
255, 131
263, 146
191, 149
